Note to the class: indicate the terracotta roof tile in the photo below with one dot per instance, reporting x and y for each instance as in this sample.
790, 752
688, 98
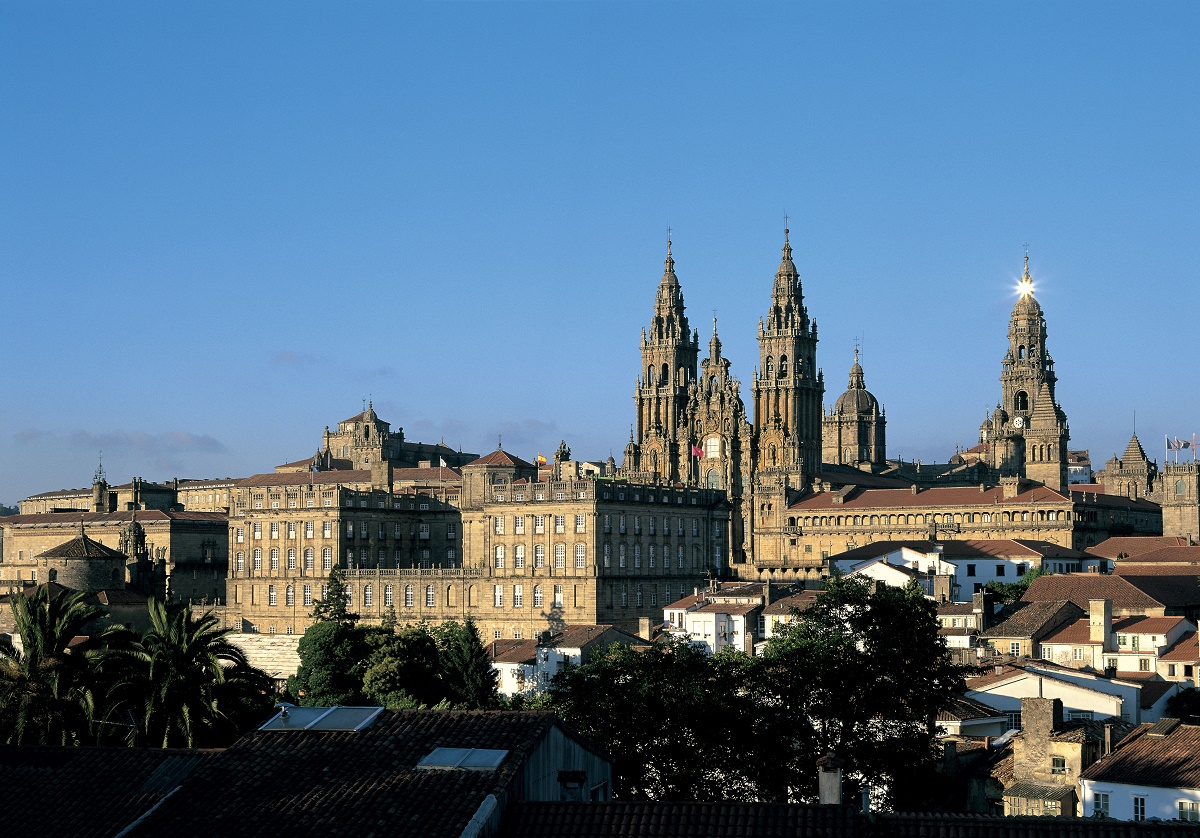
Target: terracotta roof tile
144, 516
304, 478
1185, 650
1171, 761
1134, 546
1081, 587
1031, 618
500, 457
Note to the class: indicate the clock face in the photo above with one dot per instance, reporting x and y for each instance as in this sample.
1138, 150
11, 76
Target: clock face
1019, 422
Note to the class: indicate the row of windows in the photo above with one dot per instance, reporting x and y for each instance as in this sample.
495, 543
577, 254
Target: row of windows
639, 595
382, 557
500, 556
518, 596
1188, 810
559, 523
293, 528
654, 556
929, 518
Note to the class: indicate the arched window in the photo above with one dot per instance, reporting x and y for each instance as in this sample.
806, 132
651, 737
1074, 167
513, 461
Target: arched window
387, 596
1020, 353
257, 559
499, 556
770, 368
408, 596
712, 447
782, 366
650, 375
289, 596
580, 555
537, 596
560, 556
666, 374
291, 558
430, 597
713, 479
1180, 488
308, 558
1021, 401
771, 454
639, 596
274, 558
368, 595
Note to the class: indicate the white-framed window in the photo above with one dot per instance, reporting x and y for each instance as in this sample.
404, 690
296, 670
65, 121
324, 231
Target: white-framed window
1014, 720
499, 557
639, 596
257, 559
1139, 808
560, 556
240, 535
274, 529
579, 522
291, 556
537, 596
408, 596
327, 558
368, 595
256, 531
274, 558
624, 596
498, 596
1077, 653
271, 596
679, 553
327, 529
289, 596
308, 596
349, 529
621, 556
560, 523
1014, 648
387, 596
637, 555
324, 592
498, 525
539, 524
519, 524
430, 597
518, 596
558, 600
291, 529
451, 532
1189, 810
309, 529
539, 555
651, 556
1100, 804
608, 555
309, 559
580, 555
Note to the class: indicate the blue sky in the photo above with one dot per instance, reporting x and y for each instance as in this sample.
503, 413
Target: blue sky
223, 225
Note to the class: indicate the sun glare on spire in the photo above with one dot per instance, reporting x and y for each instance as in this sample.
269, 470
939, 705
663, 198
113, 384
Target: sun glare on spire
1025, 287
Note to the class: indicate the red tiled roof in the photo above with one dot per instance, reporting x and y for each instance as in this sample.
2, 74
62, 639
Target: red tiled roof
513, 651
1081, 587
304, 478
967, 708
1185, 650
1029, 619
728, 608
434, 473
1171, 589
1134, 545
1078, 633
799, 601
1186, 554
1171, 761
500, 457
937, 496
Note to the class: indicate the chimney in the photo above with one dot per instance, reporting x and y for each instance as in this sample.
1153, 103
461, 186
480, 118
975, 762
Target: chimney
1108, 740
1040, 717
984, 604
1100, 623
766, 593
644, 628
829, 780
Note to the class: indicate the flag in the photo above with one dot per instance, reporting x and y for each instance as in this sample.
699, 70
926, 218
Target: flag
541, 461
697, 451
1182, 444
1171, 446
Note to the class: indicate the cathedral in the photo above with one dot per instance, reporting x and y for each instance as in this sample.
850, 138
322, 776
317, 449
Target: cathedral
692, 428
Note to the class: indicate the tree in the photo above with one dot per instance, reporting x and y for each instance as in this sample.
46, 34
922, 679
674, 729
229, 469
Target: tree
333, 658
465, 668
333, 607
1013, 591
402, 670
49, 690
674, 720
190, 687
863, 675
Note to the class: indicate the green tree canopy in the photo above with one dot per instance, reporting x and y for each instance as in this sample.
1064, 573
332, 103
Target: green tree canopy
464, 666
333, 606
333, 658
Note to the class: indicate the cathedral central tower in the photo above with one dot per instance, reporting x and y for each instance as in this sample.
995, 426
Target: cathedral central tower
788, 387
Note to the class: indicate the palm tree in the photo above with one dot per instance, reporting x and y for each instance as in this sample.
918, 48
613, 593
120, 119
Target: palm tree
191, 687
48, 688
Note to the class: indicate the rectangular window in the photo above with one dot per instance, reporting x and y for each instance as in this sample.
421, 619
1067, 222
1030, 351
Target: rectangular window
327, 529
519, 556
408, 596
1143, 664
1139, 808
560, 523
539, 555
539, 524
578, 523
580, 556
1000, 568
518, 596
240, 534
560, 556
309, 529
274, 529
637, 555
387, 596
423, 532
970, 570
271, 598
498, 596
519, 524
1014, 721
537, 596
1058, 765
1077, 653
558, 600
451, 532
498, 525
291, 529
327, 559
608, 555
1171, 669
257, 533
431, 596
307, 595
1100, 804
499, 556
1014, 648
349, 529
364, 530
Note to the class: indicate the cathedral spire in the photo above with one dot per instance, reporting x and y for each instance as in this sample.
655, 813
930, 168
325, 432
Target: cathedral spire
714, 344
857, 380
787, 280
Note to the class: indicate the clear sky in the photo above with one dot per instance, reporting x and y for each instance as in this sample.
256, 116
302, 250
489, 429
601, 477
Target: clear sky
222, 225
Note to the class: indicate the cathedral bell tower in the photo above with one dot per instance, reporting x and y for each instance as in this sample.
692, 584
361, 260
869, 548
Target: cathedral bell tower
788, 388
669, 353
1030, 429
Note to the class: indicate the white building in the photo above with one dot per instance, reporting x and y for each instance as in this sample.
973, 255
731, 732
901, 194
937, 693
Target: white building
527, 666
1154, 773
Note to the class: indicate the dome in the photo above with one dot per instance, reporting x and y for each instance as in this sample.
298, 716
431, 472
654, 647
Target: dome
856, 399
999, 417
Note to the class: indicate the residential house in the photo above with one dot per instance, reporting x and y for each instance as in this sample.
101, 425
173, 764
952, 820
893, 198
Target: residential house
1050, 754
969, 718
1154, 774
1130, 644
527, 666
1132, 595
1085, 695
1182, 661
961, 623
784, 611
722, 615
1023, 628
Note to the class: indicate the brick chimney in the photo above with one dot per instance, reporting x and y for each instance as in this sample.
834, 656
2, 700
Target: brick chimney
1100, 623
1040, 717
